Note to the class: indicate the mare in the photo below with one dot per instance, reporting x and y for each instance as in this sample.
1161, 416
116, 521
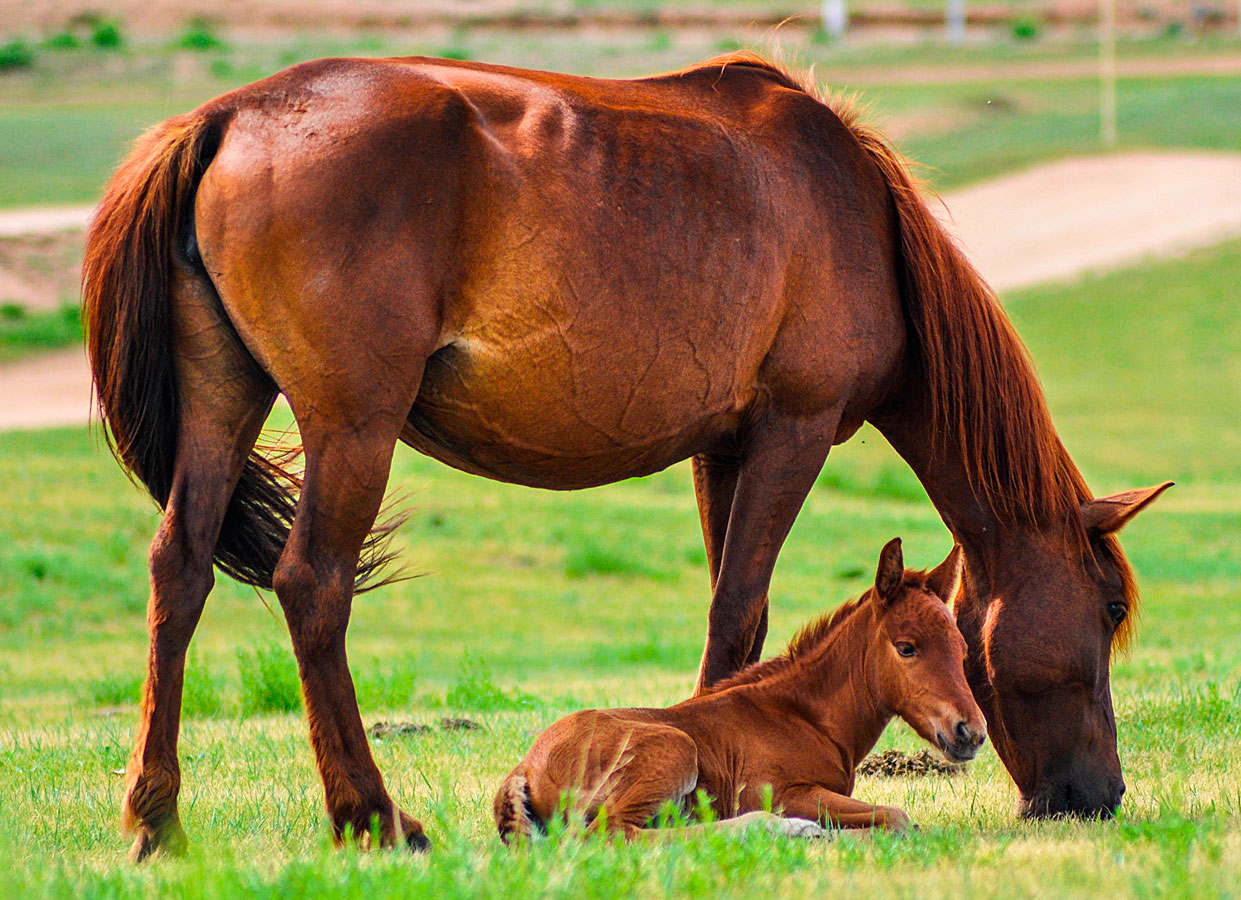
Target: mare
564, 282
786, 734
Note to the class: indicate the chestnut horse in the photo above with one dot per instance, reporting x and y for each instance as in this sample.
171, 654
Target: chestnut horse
786, 734
564, 282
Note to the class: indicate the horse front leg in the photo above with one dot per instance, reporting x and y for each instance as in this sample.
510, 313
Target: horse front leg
715, 486
781, 460
346, 474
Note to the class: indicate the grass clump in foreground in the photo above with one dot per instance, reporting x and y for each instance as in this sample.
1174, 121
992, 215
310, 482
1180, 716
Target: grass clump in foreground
502, 633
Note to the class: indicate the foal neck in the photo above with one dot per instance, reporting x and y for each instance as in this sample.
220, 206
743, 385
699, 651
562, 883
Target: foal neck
829, 681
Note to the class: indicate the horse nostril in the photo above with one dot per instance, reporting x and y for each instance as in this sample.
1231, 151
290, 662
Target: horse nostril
963, 733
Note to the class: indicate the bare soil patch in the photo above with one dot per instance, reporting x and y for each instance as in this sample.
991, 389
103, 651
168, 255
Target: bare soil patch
40, 271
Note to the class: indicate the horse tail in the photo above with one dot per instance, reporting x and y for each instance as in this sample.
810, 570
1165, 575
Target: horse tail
515, 817
141, 233
981, 388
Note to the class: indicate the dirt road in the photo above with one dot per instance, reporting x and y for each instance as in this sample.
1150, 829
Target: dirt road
1049, 223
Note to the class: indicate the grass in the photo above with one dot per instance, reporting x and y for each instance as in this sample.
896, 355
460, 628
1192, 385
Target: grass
533, 604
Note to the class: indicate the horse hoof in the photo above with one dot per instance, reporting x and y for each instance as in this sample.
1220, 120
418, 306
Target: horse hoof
416, 839
165, 840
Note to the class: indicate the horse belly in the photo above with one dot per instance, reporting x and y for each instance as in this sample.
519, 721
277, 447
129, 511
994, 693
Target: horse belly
535, 412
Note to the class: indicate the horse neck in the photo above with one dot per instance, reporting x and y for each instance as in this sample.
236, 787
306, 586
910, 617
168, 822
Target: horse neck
831, 685
996, 547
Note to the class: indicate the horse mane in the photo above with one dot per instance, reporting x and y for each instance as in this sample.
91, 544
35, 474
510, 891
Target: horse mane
980, 384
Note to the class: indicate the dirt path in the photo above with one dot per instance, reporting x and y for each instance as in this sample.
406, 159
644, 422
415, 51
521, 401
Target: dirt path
1049, 223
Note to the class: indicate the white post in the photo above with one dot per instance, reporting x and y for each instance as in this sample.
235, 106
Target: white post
835, 17
1107, 72
956, 21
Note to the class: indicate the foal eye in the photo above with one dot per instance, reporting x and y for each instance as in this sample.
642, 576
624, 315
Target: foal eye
904, 648
1117, 612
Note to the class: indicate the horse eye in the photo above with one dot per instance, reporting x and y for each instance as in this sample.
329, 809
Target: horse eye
904, 648
1117, 612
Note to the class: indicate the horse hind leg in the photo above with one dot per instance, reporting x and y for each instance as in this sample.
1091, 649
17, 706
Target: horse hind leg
347, 466
223, 404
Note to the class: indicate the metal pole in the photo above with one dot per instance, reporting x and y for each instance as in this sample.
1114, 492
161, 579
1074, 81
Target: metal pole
835, 17
956, 21
1107, 72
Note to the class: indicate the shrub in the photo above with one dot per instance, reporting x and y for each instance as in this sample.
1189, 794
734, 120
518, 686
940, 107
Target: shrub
269, 680
1026, 28
16, 55
106, 33
199, 35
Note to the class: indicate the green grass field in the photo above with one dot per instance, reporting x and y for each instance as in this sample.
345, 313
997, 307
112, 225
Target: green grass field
532, 604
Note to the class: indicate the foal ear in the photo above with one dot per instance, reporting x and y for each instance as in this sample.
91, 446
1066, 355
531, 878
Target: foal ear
1105, 515
891, 572
944, 580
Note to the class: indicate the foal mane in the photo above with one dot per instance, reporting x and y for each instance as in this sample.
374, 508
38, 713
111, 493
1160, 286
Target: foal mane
810, 638
979, 383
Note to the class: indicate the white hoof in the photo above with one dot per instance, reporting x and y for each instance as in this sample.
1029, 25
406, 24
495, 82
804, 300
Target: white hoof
800, 828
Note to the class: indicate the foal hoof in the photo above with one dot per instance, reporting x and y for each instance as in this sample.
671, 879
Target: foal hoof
796, 828
163, 840
799, 828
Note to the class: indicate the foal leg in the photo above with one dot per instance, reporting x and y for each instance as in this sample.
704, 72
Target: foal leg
222, 413
839, 811
780, 464
658, 765
346, 474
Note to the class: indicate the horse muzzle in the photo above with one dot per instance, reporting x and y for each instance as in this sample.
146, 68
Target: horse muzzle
1068, 799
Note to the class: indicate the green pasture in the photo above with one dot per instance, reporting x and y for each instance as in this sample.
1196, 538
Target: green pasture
531, 604
66, 121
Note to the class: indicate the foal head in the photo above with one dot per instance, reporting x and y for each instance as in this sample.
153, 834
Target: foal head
917, 655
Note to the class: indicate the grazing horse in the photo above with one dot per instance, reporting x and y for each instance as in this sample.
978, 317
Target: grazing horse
564, 282
787, 734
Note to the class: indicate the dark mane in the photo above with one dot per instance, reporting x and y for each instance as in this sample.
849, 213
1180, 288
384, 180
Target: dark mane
979, 382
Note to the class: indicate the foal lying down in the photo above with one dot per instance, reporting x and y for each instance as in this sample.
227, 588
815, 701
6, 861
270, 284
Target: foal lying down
792, 729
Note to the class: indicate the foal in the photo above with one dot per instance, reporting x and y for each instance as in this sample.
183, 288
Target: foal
796, 725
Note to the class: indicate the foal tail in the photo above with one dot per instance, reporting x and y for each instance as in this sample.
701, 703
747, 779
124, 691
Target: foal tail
140, 237
982, 391
515, 817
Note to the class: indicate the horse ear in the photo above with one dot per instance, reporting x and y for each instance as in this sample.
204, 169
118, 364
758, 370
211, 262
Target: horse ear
891, 572
1105, 515
945, 579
